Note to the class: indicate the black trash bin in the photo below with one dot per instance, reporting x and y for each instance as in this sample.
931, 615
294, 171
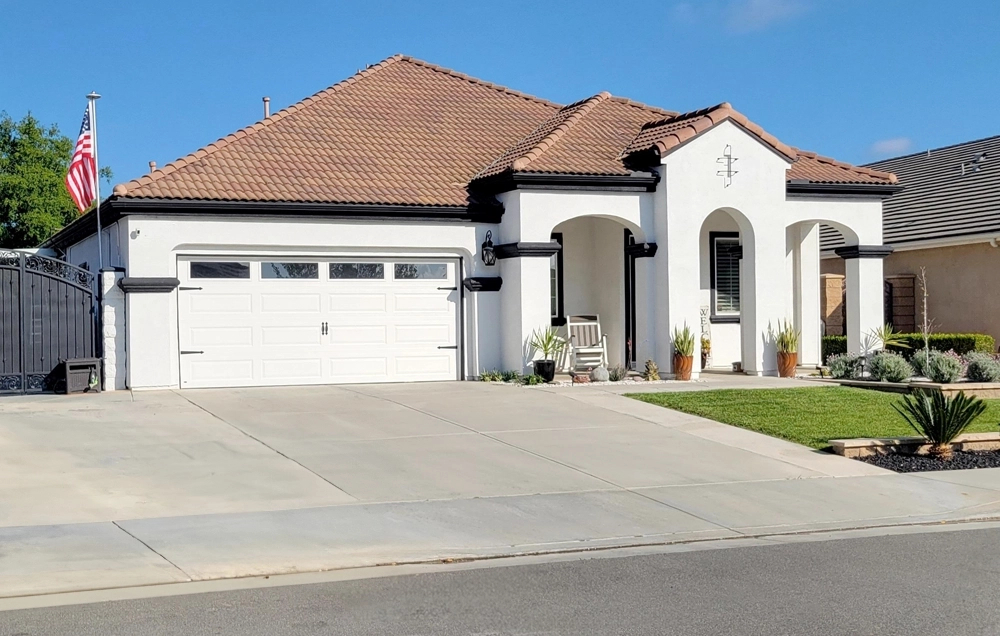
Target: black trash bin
82, 375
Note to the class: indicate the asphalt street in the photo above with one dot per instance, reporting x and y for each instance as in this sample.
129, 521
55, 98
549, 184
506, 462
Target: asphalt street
928, 583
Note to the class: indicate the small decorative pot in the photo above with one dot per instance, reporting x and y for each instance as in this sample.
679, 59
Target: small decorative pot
704, 359
682, 367
787, 363
546, 369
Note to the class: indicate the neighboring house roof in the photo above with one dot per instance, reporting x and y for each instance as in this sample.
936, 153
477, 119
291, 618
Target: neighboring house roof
938, 201
404, 137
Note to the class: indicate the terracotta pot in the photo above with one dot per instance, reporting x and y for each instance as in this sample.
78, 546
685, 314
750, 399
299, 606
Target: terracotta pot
786, 364
682, 367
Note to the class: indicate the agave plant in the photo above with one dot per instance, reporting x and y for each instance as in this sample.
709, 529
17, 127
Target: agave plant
938, 418
684, 341
786, 338
547, 342
887, 337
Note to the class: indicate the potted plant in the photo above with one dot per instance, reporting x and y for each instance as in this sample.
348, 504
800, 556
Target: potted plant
683, 353
786, 340
706, 350
550, 344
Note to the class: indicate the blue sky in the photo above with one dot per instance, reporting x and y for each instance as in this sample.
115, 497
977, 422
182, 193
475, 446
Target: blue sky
854, 79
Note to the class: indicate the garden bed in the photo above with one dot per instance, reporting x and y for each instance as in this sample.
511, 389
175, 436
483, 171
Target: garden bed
961, 460
984, 390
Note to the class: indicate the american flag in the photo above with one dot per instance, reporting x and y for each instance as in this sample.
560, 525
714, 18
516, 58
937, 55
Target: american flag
81, 180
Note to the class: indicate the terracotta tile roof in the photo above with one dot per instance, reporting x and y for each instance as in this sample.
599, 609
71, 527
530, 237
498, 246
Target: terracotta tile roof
666, 134
583, 138
817, 169
405, 132
400, 132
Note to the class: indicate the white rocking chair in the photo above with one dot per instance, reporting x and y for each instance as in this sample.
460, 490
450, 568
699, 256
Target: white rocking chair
588, 345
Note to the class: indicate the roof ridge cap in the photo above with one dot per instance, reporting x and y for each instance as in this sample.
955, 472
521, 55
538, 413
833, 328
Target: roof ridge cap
643, 106
475, 80
546, 142
122, 188
847, 166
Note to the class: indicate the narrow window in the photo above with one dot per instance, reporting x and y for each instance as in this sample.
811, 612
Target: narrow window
219, 269
413, 271
556, 284
357, 270
289, 270
726, 253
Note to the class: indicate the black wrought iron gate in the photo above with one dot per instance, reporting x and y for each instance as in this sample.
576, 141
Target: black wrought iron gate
47, 315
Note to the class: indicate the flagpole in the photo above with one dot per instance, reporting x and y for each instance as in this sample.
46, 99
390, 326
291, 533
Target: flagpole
92, 106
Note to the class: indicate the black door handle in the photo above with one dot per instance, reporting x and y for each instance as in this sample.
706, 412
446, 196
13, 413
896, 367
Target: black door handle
449, 347
184, 353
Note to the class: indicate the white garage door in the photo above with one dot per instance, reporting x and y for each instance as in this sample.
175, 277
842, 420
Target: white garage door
255, 322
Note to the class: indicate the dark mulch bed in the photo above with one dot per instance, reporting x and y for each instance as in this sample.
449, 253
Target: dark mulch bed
920, 463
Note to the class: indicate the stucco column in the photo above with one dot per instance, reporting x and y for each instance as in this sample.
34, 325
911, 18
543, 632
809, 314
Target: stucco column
764, 298
806, 301
113, 329
525, 299
681, 272
863, 265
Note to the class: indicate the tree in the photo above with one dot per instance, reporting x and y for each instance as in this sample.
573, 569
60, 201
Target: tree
34, 203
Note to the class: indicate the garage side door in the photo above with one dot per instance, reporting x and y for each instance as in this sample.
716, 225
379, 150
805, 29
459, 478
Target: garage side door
259, 322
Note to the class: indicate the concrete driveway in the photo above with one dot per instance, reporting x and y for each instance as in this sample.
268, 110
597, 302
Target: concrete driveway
171, 486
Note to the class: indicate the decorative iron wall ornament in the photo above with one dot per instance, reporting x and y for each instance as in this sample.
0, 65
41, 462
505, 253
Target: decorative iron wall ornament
727, 160
489, 256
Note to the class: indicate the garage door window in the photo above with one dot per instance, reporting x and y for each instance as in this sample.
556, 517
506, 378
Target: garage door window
412, 271
289, 270
219, 269
357, 270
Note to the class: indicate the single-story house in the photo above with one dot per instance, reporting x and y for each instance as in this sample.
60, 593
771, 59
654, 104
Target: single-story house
413, 223
946, 220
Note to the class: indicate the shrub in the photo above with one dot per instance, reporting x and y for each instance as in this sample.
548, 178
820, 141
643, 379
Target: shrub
887, 366
617, 373
919, 362
982, 367
833, 346
845, 366
652, 372
532, 379
492, 375
938, 418
510, 376
945, 367
960, 343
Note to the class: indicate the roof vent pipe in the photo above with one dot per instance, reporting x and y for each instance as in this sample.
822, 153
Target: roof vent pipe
152, 166
267, 107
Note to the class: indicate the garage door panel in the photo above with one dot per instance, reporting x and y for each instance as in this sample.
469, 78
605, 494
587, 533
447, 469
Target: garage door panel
283, 336
423, 334
421, 365
429, 302
215, 303
271, 303
221, 372
299, 369
366, 368
221, 336
359, 334
357, 303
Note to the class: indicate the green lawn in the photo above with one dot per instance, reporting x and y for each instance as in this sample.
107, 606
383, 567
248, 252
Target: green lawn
809, 416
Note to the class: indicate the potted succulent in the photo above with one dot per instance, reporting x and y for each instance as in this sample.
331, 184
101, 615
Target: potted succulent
550, 344
786, 340
706, 350
683, 353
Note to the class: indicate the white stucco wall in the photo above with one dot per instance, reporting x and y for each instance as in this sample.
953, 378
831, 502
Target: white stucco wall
86, 250
725, 337
154, 244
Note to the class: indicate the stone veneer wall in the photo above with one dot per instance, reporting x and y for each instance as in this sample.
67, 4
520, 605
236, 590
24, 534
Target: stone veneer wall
903, 302
831, 303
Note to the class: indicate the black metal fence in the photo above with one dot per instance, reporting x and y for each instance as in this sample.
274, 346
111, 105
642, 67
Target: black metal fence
47, 315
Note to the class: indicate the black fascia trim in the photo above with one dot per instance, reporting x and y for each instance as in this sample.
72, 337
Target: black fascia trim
114, 208
507, 181
483, 283
853, 190
559, 320
863, 251
714, 317
641, 250
148, 285
515, 250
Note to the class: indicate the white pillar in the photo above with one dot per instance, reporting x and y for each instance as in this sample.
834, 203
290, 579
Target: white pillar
679, 273
764, 298
525, 299
113, 329
806, 292
864, 300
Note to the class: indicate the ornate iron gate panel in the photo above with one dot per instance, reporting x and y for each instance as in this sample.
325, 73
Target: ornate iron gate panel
48, 315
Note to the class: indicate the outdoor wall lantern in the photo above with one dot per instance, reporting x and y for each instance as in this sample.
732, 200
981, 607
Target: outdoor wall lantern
489, 257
